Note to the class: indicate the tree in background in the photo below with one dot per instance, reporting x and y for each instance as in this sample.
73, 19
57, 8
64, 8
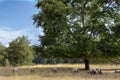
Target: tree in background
20, 52
76, 28
2, 54
38, 50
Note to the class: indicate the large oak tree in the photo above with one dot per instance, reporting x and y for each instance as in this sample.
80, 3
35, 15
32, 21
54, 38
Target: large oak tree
75, 28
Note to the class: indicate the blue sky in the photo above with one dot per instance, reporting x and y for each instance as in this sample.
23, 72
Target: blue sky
16, 20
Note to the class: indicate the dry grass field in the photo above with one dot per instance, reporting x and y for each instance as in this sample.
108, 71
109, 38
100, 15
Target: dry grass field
64, 72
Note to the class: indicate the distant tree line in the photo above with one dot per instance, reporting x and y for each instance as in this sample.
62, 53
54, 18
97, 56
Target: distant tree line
57, 61
69, 61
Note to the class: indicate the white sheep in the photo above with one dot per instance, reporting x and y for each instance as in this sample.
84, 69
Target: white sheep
116, 62
15, 69
75, 70
54, 70
92, 71
99, 71
31, 70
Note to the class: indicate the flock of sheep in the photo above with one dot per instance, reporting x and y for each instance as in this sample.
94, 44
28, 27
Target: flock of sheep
74, 70
56, 70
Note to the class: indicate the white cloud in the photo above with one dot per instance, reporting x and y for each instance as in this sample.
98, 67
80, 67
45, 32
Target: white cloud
7, 35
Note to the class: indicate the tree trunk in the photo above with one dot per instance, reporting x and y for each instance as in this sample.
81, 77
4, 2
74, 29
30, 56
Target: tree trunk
87, 67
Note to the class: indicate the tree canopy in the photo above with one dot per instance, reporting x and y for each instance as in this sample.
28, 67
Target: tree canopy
20, 52
78, 28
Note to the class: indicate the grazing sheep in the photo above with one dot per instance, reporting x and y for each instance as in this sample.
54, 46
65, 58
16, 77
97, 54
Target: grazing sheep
54, 70
117, 71
31, 70
15, 69
115, 62
75, 70
92, 71
99, 71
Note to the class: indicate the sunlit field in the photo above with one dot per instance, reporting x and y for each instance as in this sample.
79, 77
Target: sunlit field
64, 72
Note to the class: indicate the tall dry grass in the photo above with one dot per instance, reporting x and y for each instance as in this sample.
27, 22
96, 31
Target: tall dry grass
43, 72
104, 66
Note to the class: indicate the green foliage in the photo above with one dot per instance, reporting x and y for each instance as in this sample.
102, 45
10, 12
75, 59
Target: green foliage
20, 52
38, 50
116, 30
2, 54
76, 28
6, 63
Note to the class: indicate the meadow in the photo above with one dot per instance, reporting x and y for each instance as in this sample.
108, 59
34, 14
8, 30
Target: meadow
64, 72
